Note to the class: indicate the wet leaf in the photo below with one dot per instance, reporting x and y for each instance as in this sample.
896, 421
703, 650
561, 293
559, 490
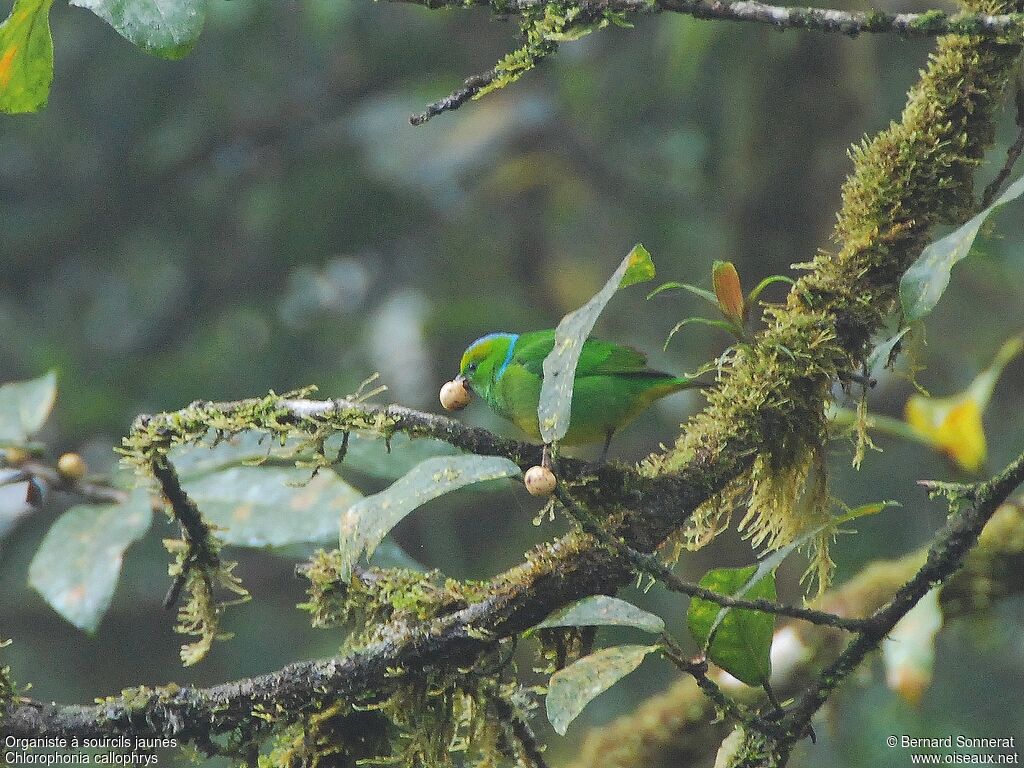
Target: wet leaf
602, 610
368, 521
26, 57
272, 506
165, 28
77, 566
572, 688
923, 284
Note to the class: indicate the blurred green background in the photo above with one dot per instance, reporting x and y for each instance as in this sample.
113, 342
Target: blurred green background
262, 216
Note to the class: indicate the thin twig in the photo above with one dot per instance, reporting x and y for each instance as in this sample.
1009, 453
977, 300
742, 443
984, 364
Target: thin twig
653, 567
945, 557
470, 88
87, 490
194, 528
1012, 153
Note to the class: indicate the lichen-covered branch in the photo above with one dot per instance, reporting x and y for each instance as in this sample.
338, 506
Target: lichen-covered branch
927, 23
945, 556
546, 23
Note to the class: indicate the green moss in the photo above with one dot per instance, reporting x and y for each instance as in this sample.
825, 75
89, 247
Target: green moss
8, 688
765, 417
375, 597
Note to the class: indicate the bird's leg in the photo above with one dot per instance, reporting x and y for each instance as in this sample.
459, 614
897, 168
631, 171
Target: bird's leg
607, 443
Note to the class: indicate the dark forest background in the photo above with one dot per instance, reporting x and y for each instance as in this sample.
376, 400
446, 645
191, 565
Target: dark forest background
262, 216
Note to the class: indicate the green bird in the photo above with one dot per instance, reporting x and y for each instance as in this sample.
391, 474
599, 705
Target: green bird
613, 384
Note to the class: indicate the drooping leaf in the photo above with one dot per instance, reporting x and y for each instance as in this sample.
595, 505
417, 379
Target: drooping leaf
602, 610
365, 524
572, 331
738, 640
572, 688
26, 57
165, 28
272, 506
923, 284
77, 566
25, 406
909, 650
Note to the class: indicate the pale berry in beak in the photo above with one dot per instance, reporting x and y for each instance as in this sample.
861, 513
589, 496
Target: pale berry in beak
455, 394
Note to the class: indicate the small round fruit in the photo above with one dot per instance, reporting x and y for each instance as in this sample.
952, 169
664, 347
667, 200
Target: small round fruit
455, 395
14, 456
72, 467
540, 481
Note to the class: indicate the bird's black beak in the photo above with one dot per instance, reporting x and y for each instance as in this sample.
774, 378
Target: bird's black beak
460, 379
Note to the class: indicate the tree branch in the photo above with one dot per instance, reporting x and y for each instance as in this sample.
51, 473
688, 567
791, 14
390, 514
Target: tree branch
945, 557
927, 24
650, 565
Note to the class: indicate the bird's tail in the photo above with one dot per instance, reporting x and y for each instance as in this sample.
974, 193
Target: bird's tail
674, 384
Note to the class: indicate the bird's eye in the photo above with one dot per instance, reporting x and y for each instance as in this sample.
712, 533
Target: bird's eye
471, 367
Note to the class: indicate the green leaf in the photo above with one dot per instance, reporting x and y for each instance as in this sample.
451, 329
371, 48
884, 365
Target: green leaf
366, 453
725, 325
572, 688
704, 293
755, 580
602, 610
165, 28
755, 294
371, 455
25, 406
737, 640
77, 566
923, 284
272, 506
571, 333
26, 57
368, 521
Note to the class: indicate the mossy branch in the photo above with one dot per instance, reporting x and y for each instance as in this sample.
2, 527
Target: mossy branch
545, 24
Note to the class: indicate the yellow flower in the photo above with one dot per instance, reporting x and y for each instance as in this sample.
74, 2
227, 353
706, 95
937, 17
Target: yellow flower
953, 425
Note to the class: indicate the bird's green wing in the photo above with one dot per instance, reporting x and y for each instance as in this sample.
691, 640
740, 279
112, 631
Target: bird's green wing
597, 358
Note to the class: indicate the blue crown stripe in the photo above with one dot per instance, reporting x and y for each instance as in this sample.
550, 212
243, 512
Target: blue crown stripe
514, 337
